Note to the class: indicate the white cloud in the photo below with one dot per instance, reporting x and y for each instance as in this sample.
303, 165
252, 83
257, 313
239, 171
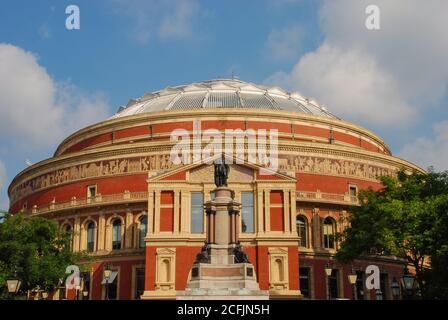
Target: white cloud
34, 110
172, 19
284, 44
350, 83
178, 23
429, 151
385, 77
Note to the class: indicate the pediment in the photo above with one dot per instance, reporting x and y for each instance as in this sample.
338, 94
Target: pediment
203, 172
237, 173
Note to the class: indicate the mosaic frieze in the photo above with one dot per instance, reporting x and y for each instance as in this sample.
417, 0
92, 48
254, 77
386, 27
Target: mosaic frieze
308, 164
333, 167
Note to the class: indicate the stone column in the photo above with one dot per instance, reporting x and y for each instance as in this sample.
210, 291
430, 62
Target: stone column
260, 211
77, 235
157, 212
316, 229
184, 209
222, 211
267, 214
101, 231
293, 211
128, 230
176, 216
286, 212
150, 212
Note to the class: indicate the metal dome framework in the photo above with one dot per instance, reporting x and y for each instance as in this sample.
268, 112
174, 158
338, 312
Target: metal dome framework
222, 93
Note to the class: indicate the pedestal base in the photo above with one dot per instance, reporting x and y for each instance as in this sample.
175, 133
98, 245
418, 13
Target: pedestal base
222, 294
223, 281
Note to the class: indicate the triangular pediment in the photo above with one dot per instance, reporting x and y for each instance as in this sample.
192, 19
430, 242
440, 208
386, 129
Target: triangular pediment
203, 171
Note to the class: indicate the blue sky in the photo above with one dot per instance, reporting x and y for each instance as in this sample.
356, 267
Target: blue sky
54, 81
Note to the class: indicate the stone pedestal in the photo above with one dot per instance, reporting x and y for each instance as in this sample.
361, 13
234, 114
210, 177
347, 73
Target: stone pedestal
222, 270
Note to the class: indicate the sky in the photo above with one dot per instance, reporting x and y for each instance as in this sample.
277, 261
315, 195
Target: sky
54, 81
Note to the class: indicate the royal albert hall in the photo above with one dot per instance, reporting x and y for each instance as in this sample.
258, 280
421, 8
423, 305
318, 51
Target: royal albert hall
114, 186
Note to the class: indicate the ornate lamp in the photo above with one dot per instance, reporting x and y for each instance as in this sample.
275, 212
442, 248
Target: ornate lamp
107, 274
407, 279
13, 284
378, 294
395, 286
328, 270
352, 280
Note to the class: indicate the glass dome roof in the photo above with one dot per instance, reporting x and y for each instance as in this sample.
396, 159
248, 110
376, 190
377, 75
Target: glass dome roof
222, 93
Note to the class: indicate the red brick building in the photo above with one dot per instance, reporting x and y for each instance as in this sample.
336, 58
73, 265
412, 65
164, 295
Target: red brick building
115, 187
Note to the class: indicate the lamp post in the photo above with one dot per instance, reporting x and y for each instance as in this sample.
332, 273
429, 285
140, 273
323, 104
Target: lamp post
407, 282
395, 286
328, 272
352, 280
378, 294
107, 273
13, 284
77, 291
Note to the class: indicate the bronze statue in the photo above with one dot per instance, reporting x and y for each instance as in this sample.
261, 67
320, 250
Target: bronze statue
221, 172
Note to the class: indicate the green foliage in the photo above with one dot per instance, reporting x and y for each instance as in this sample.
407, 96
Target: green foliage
407, 218
36, 250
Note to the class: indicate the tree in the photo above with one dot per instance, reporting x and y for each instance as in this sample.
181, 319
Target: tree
36, 250
405, 219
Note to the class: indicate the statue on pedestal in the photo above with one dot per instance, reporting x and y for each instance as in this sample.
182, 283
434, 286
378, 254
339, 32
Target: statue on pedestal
221, 172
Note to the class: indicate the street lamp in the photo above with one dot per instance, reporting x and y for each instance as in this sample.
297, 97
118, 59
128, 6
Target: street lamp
395, 286
77, 291
352, 280
407, 281
107, 273
328, 272
13, 284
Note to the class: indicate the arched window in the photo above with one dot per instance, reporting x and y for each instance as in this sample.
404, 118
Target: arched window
302, 231
329, 233
116, 234
68, 229
90, 237
142, 231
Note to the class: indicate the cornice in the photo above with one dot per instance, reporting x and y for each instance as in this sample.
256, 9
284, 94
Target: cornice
144, 149
190, 115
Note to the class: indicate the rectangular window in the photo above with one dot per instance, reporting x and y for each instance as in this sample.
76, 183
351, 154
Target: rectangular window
139, 282
86, 285
305, 282
353, 191
333, 284
384, 285
112, 290
247, 212
91, 191
360, 285
197, 212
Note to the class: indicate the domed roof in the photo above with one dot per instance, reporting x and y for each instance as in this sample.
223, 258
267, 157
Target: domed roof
222, 93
